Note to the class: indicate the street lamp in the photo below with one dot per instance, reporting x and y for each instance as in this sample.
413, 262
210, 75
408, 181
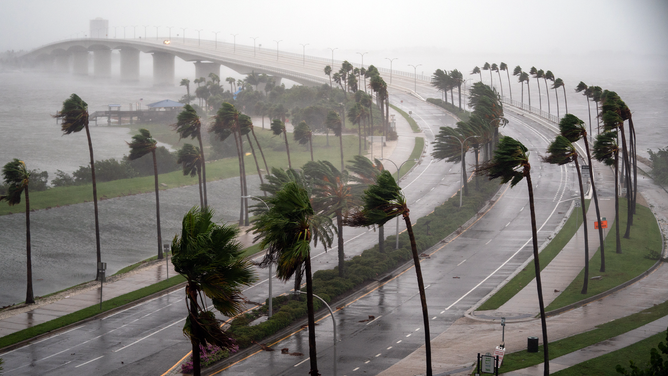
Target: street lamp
156, 32
134, 31
145, 26
461, 189
362, 54
235, 43
199, 41
331, 314
216, 34
277, 42
415, 74
270, 273
303, 53
115, 31
170, 32
396, 245
184, 34
253, 38
124, 27
391, 60
336, 48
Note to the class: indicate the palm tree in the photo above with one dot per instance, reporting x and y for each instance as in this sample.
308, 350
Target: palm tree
186, 82
384, 201
356, 115
559, 83
286, 230
304, 135
511, 163
554, 83
188, 124
587, 92
489, 68
249, 125
538, 75
495, 68
542, 74
333, 122
440, 80
210, 258
457, 79
453, 146
504, 67
364, 173
278, 127
328, 72
573, 129
74, 118
560, 152
190, 158
476, 70
596, 96
232, 81
141, 145
245, 127
606, 150
333, 194
17, 178
522, 78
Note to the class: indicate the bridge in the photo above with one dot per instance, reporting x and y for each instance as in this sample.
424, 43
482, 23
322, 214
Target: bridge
73, 55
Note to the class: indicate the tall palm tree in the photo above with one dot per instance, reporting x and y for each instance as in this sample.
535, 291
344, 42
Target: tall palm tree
504, 67
587, 92
550, 76
457, 79
286, 231
440, 80
333, 122
538, 75
74, 118
384, 201
189, 124
522, 78
596, 96
476, 70
488, 67
606, 150
559, 83
333, 194
451, 145
141, 145
232, 81
495, 68
356, 115
190, 158
245, 126
304, 135
364, 173
211, 260
560, 152
186, 82
17, 178
328, 72
278, 127
573, 129
511, 164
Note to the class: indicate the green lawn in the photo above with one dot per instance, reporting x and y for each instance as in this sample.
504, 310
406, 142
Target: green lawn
413, 124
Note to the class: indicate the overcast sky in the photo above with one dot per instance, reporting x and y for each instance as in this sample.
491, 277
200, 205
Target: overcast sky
414, 30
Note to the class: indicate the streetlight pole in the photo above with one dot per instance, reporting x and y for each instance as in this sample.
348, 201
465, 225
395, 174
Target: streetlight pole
396, 245
461, 189
270, 272
199, 40
115, 31
415, 74
362, 54
331, 314
123, 32
391, 60
145, 26
335, 48
216, 34
277, 42
253, 38
156, 32
170, 32
303, 53
184, 34
234, 46
134, 31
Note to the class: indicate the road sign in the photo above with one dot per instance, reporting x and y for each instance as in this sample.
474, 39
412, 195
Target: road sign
500, 352
487, 365
604, 224
577, 204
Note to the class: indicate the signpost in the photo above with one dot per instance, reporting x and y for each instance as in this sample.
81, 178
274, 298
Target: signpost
101, 267
487, 363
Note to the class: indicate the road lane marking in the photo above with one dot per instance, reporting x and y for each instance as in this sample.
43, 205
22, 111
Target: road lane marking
378, 355
389, 347
356, 369
90, 361
408, 335
302, 362
156, 332
417, 177
399, 341
367, 362
465, 260
488, 241
376, 318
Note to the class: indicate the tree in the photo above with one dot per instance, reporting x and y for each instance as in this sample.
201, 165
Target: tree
511, 164
303, 135
74, 118
211, 260
364, 173
453, 146
190, 158
538, 75
488, 67
560, 152
333, 122
587, 92
476, 70
246, 125
278, 127
504, 67
524, 77
141, 145
328, 72
286, 230
188, 124
17, 179
657, 364
596, 96
232, 81
457, 79
356, 115
186, 82
557, 84
495, 68
606, 150
384, 201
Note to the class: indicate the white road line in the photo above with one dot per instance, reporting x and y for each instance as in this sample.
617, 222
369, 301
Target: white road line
356, 369
408, 335
416, 178
378, 355
367, 362
374, 319
488, 241
433, 318
92, 360
302, 362
156, 332
399, 341
389, 347
417, 330
465, 260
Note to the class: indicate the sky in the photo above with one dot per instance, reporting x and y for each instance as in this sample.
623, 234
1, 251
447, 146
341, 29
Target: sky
434, 33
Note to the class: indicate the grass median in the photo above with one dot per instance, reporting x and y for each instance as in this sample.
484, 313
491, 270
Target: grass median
411, 122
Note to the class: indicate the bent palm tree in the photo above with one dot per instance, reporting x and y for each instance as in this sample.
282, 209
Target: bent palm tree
74, 118
278, 127
188, 124
538, 75
384, 201
190, 158
476, 70
211, 260
606, 150
504, 67
511, 164
186, 82
495, 68
141, 145
333, 122
304, 135
17, 178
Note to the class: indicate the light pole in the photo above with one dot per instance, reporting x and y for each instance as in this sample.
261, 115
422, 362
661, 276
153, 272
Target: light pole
335, 48
461, 189
270, 273
415, 74
216, 34
156, 32
396, 245
234, 50
199, 40
362, 54
391, 60
170, 32
184, 34
277, 42
145, 27
331, 314
123, 32
253, 38
303, 52
115, 31
134, 31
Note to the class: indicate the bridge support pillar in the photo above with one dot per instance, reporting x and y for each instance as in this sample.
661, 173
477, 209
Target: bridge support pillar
62, 63
129, 64
163, 69
203, 69
102, 63
80, 63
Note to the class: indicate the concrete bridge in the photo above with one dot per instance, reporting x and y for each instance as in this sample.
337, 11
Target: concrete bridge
72, 56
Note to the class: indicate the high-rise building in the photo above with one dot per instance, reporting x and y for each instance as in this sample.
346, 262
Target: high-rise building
99, 28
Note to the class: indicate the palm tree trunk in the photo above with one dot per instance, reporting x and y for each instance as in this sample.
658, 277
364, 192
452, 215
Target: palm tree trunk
529, 95
627, 182
310, 143
339, 228
313, 355
245, 185
464, 176
97, 218
584, 224
201, 149
452, 95
634, 155
540, 100
459, 93
194, 339
241, 180
618, 240
266, 168
257, 165
539, 284
598, 211
557, 97
30, 298
547, 94
477, 153
500, 83
201, 197
157, 204
565, 100
522, 97
287, 147
510, 87
423, 295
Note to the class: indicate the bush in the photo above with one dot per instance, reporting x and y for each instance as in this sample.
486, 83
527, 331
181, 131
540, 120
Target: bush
659, 165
